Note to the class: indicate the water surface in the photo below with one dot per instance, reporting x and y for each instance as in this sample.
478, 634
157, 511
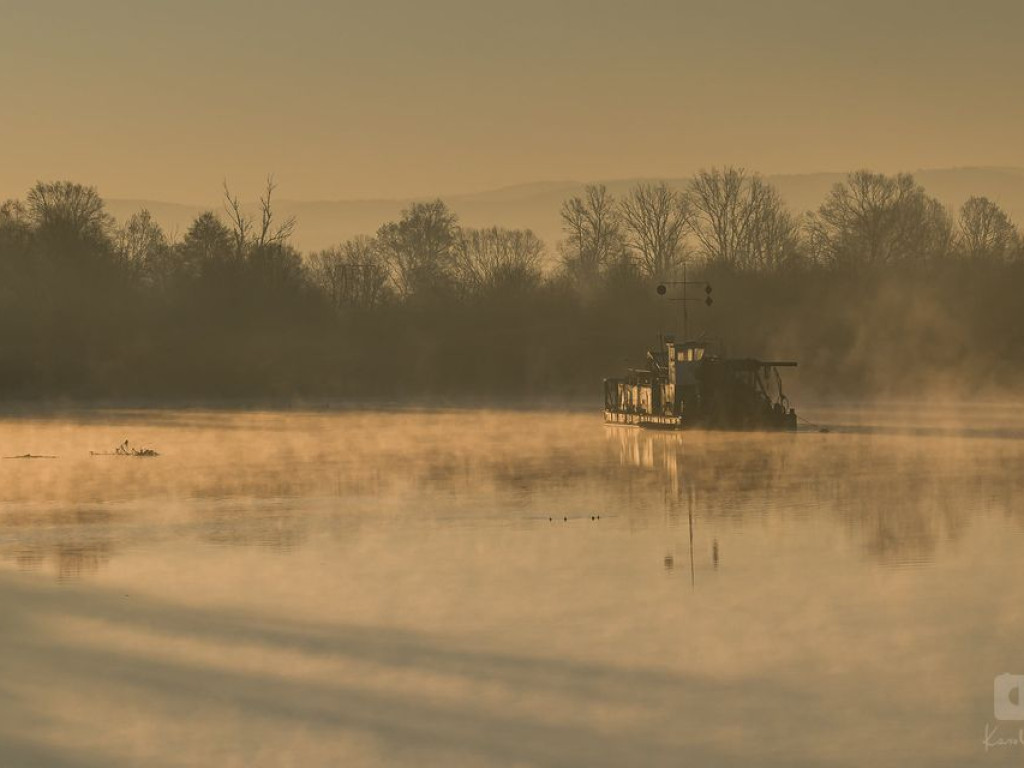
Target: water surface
508, 588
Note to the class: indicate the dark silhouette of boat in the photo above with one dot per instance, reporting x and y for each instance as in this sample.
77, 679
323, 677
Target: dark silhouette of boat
685, 385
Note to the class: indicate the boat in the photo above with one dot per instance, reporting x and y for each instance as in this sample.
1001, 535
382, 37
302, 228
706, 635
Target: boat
686, 385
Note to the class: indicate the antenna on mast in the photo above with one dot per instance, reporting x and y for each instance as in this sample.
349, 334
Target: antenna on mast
662, 289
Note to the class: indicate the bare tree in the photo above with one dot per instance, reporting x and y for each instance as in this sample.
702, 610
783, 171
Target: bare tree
14, 221
139, 243
497, 258
13, 213
269, 233
739, 220
593, 233
718, 216
772, 233
654, 223
67, 209
986, 232
250, 234
353, 274
872, 219
420, 247
241, 224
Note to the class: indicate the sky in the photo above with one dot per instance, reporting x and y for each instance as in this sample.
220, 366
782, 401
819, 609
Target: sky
167, 100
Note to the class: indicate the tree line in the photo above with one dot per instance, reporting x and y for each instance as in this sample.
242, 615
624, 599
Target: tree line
727, 218
880, 290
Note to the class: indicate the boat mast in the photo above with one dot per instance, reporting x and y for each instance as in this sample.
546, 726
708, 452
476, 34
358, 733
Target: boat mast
686, 314
662, 289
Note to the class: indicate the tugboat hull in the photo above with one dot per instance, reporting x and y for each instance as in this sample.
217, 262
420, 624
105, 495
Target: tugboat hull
787, 422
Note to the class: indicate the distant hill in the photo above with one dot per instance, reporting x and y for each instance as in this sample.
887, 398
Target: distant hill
535, 206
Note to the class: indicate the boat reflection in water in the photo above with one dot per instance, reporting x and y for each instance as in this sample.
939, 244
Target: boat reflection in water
900, 496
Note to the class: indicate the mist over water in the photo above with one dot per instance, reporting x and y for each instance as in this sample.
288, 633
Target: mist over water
306, 314
507, 588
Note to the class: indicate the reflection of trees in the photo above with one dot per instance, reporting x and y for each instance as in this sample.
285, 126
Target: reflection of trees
68, 561
78, 543
71, 543
900, 498
280, 530
271, 480
75, 561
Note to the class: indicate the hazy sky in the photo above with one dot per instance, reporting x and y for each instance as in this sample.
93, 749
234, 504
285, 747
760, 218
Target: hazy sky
164, 100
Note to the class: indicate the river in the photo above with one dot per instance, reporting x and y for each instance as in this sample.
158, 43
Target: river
528, 588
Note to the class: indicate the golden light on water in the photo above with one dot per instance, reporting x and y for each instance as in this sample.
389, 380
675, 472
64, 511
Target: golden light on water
402, 587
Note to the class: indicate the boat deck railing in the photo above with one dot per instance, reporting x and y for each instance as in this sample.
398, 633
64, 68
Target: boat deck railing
621, 417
